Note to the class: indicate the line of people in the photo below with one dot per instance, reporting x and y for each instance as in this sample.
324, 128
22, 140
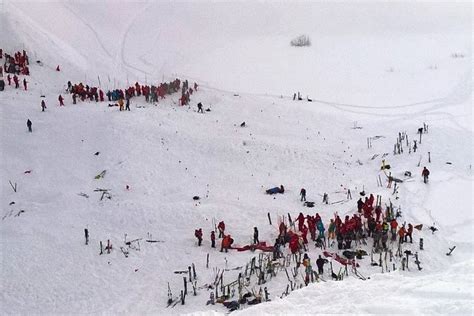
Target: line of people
227, 239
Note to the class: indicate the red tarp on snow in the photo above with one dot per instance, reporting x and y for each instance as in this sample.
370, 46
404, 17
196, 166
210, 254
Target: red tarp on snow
260, 246
341, 260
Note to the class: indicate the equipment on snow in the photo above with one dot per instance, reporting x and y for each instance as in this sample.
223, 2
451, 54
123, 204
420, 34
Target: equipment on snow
450, 251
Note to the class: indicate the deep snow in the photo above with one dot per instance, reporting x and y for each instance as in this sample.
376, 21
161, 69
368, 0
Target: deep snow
383, 67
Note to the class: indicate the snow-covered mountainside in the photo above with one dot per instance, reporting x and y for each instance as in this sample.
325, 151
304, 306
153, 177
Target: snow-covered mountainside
374, 71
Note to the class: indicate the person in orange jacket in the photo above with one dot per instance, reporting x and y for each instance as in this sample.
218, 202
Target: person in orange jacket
120, 103
401, 234
226, 243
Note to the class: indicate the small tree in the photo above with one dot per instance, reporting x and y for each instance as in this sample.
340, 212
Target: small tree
300, 41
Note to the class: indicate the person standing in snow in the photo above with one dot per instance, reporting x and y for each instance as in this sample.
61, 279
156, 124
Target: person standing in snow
25, 84
213, 239
303, 194
221, 228
127, 105
409, 233
200, 107
61, 99
15, 79
401, 234
425, 173
255, 235
198, 234
43, 105
28, 124
320, 262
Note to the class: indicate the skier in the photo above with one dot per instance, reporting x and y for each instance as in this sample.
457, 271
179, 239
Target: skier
198, 234
332, 230
127, 105
61, 99
28, 124
308, 268
425, 173
15, 79
300, 221
409, 233
360, 204
340, 240
384, 239
393, 229
255, 235
226, 243
199, 105
320, 262
120, 103
221, 228
213, 239
401, 234
303, 194
325, 198
25, 84
86, 234
377, 235
43, 105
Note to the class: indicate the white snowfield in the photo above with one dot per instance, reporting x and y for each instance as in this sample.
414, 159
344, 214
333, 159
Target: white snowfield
374, 69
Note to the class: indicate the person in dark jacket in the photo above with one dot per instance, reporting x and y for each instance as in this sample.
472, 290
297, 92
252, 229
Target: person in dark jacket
425, 173
255, 235
29, 124
198, 234
213, 239
320, 262
303, 194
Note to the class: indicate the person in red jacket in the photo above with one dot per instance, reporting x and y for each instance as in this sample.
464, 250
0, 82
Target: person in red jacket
282, 230
294, 244
213, 239
393, 229
198, 234
300, 220
101, 96
61, 99
221, 228
304, 234
401, 234
25, 84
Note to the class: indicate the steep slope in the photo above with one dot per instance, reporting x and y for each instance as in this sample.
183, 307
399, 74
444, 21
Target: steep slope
167, 154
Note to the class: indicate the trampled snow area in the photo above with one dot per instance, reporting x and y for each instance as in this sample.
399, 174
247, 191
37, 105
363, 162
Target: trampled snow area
374, 69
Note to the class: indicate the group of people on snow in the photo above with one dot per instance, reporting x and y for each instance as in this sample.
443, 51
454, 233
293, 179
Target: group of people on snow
14, 66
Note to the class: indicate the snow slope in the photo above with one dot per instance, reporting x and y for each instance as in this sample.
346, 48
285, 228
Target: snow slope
383, 67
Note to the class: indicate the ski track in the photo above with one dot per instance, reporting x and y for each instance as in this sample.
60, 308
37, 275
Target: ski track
91, 29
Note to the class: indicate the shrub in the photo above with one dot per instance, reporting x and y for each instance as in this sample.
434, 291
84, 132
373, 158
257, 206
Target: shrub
300, 41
